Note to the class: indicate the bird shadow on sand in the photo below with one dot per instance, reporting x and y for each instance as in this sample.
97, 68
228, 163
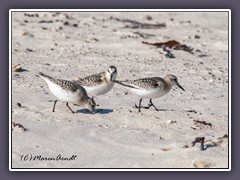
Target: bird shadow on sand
86, 111
166, 110
97, 111
158, 109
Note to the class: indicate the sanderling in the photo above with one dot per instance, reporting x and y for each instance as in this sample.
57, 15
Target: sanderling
98, 84
151, 87
68, 92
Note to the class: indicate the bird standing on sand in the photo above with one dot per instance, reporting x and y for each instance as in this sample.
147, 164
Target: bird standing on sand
68, 92
99, 84
151, 87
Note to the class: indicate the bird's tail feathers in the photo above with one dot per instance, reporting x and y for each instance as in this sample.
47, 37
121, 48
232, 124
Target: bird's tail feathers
45, 76
123, 84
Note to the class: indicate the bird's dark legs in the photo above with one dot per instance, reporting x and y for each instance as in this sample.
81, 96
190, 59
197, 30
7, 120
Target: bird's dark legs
93, 99
149, 105
54, 105
55, 102
70, 108
139, 107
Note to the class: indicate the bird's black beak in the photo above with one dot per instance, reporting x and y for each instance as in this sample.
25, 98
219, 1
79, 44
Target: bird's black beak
111, 77
180, 86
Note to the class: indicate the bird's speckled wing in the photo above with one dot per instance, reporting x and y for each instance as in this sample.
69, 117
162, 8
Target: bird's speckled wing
67, 85
92, 80
148, 83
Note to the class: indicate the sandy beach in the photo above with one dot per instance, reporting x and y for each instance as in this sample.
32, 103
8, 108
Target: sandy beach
69, 45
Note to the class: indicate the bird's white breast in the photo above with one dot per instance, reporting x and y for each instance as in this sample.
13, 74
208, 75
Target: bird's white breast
149, 93
62, 94
100, 89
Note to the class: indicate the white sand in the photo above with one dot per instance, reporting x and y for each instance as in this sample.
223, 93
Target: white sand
117, 136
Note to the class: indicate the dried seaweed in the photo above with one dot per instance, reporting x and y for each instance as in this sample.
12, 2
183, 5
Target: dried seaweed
193, 111
202, 122
31, 15
225, 136
44, 21
199, 140
138, 25
172, 44
144, 35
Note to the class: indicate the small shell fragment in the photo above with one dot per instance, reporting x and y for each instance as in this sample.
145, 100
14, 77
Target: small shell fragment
170, 121
18, 127
17, 68
166, 149
27, 34
201, 164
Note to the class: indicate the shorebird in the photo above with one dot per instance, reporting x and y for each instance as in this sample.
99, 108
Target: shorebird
150, 88
68, 92
99, 84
